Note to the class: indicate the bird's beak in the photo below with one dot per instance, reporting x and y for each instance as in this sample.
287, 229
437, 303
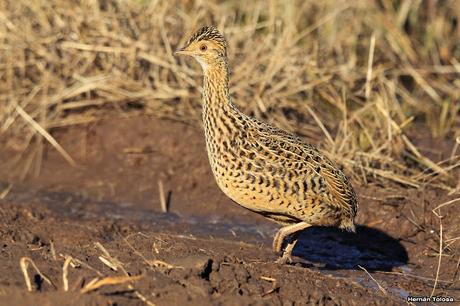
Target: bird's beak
182, 51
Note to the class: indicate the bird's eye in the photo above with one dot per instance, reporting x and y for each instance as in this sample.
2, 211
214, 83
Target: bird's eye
203, 47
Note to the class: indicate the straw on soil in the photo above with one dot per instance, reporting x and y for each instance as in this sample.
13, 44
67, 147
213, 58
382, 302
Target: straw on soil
24, 263
126, 278
110, 280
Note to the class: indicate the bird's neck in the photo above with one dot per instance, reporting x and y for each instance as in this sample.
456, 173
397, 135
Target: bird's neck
221, 119
216, 97
215, 85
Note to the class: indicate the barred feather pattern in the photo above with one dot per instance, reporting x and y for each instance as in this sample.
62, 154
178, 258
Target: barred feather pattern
265, 169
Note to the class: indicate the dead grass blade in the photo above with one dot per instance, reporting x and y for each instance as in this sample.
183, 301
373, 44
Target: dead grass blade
108, 263
24, 263
446, 203
46, 135
163, 202
110, 280
423, 159
5, 191
439, 256
370, 61
123, 279
53, 250
75, 262
375, 281
65, 273
274, 285
108, 260
321, 125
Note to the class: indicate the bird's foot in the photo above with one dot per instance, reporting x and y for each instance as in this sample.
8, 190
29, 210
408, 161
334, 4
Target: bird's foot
285, 259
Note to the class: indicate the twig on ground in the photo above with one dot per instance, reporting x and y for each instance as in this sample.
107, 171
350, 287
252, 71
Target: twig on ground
378, 285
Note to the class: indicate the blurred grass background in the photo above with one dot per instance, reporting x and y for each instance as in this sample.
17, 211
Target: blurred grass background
365, 80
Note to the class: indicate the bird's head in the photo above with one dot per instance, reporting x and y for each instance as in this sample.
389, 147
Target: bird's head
207, 46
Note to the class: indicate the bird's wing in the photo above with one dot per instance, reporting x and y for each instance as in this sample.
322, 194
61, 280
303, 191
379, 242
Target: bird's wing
312, 162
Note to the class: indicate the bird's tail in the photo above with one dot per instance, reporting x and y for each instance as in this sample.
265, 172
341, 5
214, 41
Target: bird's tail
348, 225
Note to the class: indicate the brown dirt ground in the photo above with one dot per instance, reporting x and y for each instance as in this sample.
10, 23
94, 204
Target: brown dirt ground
206, 250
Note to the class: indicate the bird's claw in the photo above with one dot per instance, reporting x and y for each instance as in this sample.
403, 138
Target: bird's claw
284, 259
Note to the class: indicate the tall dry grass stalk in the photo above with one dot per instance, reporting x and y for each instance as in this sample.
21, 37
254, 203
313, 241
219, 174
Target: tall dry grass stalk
353, 76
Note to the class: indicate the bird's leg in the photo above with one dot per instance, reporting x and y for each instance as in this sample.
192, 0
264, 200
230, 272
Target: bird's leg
281, 235
283, 232
286, 257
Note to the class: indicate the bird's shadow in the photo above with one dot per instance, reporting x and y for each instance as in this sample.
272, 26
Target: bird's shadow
335, 249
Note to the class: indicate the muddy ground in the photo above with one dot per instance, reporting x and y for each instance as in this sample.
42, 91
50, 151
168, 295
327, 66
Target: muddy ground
105, 214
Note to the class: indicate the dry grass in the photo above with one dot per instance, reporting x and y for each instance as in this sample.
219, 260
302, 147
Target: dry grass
24, 263
354, 76
96, 283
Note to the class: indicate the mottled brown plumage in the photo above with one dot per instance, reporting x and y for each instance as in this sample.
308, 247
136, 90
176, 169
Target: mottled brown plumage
263, 168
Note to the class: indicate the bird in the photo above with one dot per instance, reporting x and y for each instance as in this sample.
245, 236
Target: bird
261, 167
